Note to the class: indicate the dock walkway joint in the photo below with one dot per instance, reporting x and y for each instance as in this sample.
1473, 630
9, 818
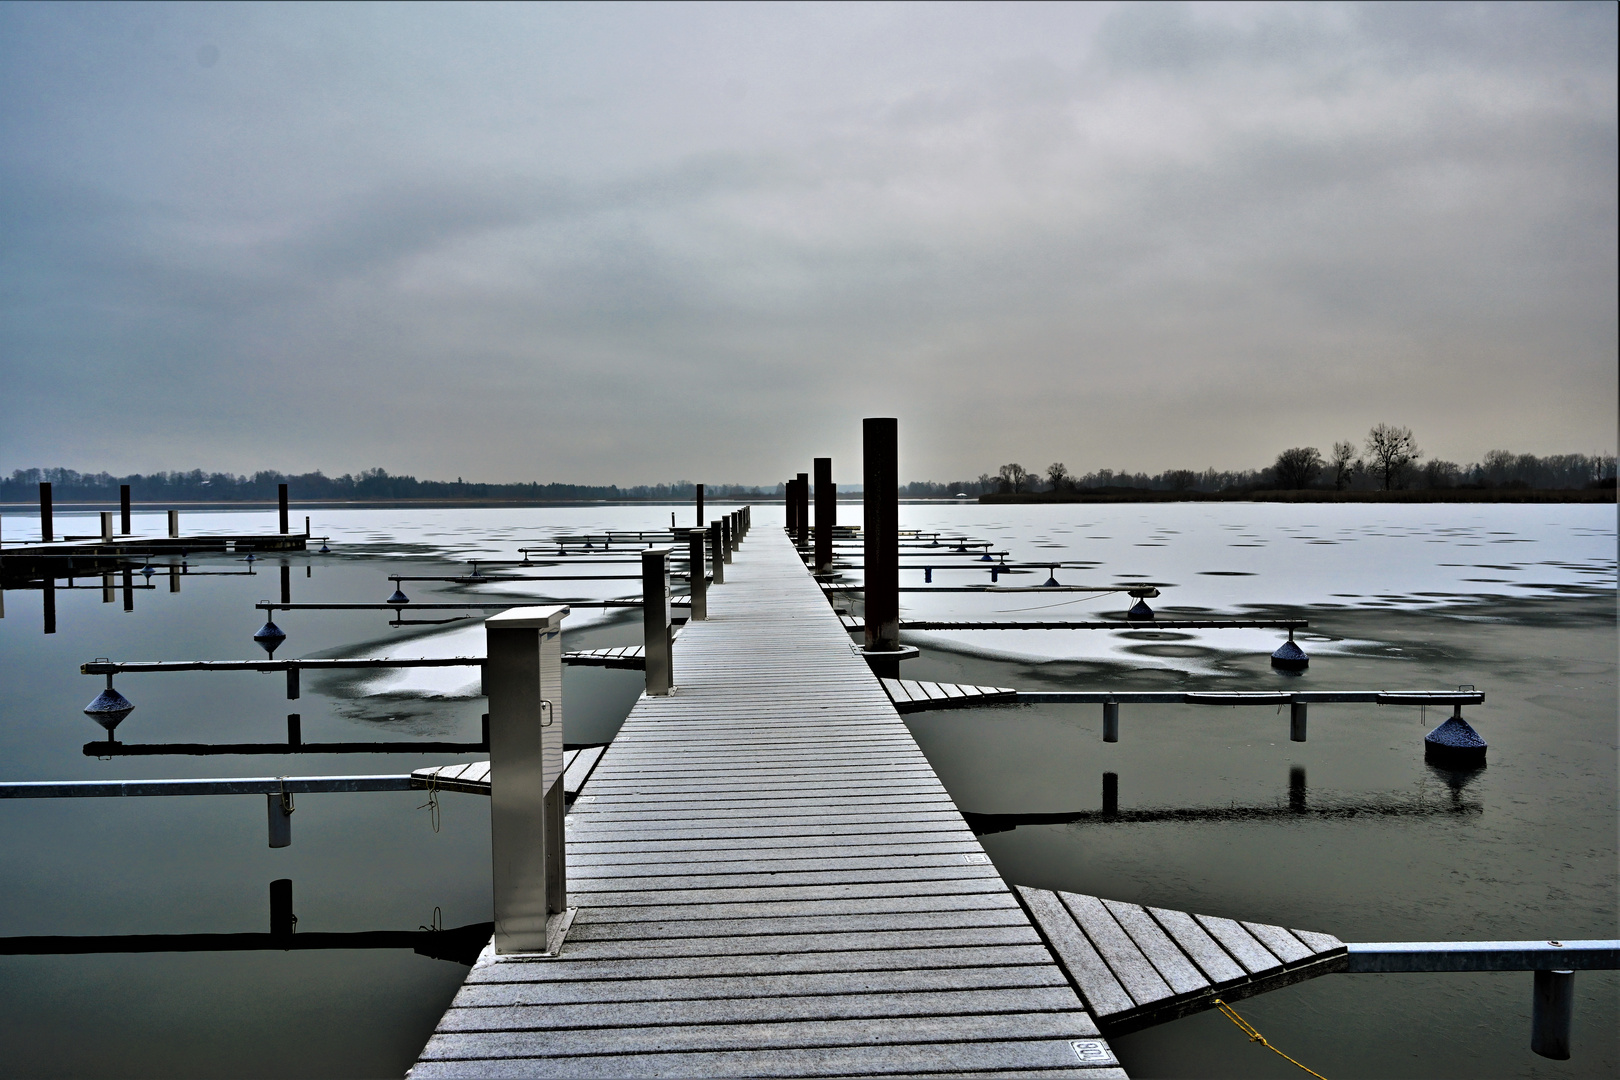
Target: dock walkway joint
771, 881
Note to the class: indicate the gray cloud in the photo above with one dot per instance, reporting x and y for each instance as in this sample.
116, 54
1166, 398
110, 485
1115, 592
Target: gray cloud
633, 243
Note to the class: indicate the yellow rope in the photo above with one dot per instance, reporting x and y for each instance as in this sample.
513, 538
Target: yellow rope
1255, 1036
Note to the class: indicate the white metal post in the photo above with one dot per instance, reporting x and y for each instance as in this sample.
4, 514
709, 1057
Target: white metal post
523, 676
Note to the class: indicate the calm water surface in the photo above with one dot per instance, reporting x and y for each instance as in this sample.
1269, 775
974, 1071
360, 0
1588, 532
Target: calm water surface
1519, 600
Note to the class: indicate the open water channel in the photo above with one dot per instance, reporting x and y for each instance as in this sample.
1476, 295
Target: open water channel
1349, 833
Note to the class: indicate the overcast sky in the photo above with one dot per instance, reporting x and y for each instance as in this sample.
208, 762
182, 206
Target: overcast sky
625, 243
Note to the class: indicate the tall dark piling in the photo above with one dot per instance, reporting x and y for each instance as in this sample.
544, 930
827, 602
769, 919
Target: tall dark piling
281, 504
699, 505
826, 513
46, 532
881, 475
801, 510
123, 510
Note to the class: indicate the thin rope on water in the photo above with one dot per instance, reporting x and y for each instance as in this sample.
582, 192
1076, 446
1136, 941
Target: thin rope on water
1254, 1036
432, 805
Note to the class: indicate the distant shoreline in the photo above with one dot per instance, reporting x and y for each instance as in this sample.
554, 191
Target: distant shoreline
1311, 495
1431, 495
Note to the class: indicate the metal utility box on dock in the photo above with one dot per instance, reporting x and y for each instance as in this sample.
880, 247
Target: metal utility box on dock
524, 681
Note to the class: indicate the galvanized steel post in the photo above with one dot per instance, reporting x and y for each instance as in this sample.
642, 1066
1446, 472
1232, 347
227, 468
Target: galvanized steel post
657, 630
826, 513
523, 677
174, 524
698, 573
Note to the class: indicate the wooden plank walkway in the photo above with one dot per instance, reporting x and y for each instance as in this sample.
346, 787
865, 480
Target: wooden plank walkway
632, 657
473, 777
771, 881
912, 695
1138, 966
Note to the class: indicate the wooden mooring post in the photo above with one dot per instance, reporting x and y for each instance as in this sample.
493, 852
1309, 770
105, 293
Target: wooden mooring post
881, 475
657, 629
717, 550
801, 511
698, 573
826, 514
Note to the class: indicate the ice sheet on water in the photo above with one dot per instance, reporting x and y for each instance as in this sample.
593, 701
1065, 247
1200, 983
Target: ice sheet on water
1385, 556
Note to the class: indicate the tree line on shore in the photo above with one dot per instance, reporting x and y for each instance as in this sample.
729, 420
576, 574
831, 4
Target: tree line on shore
369, 485
1388, 459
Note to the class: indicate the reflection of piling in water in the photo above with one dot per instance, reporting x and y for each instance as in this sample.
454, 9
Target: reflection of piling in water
1296, 789
282, 919
1110, 795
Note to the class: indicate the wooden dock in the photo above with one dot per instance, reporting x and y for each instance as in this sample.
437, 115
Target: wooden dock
771, 881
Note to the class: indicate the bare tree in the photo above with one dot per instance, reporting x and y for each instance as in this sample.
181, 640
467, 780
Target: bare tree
1057, 474
1181, 479
1392, 449
1344, 462
1297, 467
1014, 477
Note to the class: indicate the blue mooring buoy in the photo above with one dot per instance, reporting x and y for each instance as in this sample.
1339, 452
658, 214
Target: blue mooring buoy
324, 549
1051, 579
147, 571
1454, 743
1290, 657
1140, 610
109, 708
270, 636
399, 596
